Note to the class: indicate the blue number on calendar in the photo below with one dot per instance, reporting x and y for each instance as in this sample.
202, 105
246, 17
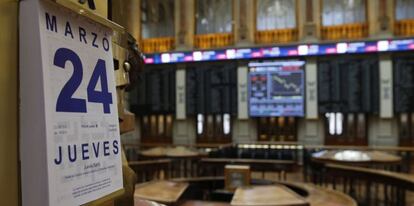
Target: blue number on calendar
102, 96
65, 101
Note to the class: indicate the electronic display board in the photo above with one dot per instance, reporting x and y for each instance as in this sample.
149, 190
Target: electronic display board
311, 49
276, 88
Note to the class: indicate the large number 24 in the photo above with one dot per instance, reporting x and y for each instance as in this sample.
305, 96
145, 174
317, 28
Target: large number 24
65, 101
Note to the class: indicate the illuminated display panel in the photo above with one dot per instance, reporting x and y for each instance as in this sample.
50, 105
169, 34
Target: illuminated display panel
276, 89
359, 47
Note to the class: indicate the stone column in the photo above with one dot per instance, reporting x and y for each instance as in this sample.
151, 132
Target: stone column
244, 22
184, 24
311, 129
127, 13
383, 18
309, 13
372, 15
383, 130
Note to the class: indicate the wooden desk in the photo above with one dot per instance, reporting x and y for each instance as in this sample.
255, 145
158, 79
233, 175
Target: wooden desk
247, 161
203, 203
161, 191
138, 202
314, 195
356, 157
318, 196
266, 195
216, 165
176, 152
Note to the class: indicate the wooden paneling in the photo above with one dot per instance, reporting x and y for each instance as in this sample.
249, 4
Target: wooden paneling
153, 45
276, 36
345, 31
404, 27
156, 128
277, 129
9, 173
207, 41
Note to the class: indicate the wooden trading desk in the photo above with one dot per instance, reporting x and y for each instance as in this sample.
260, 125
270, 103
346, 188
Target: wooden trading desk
215, 165
166, 192
318, 196
275, 195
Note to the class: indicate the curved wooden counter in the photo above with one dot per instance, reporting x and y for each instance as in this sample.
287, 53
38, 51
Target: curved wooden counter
272, 195
314, 195
318, 196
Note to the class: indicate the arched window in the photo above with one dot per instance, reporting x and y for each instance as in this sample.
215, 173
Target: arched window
276, 21
157, 25
214, 16
275, 14
343, 12
344, 19
157, 18
404, 18
214, 24
404, 9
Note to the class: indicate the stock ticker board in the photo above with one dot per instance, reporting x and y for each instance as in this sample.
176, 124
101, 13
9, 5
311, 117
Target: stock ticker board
276, 88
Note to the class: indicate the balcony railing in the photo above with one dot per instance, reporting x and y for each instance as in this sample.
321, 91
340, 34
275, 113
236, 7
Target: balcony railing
276, 36
404, 27
153, 45
206, 41
345, 31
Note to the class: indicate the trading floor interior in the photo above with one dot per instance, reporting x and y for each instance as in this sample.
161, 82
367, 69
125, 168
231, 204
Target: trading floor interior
219, 102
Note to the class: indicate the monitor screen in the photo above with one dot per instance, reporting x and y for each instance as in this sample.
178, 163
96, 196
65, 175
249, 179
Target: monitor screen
276, 89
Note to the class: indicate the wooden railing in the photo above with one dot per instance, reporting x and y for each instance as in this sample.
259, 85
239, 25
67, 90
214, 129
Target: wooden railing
148, 170
207, 41
153, 45
345, 31
367, 186
215, 166
406, 153
404, 27
276, 36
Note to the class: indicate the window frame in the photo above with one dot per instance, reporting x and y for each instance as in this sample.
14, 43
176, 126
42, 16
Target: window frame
141, 24
394, 12
146, 133
344, 138
366, 15
296, 17
216, 137
233, 2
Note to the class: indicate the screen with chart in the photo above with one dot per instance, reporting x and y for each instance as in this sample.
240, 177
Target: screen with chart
276, 88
